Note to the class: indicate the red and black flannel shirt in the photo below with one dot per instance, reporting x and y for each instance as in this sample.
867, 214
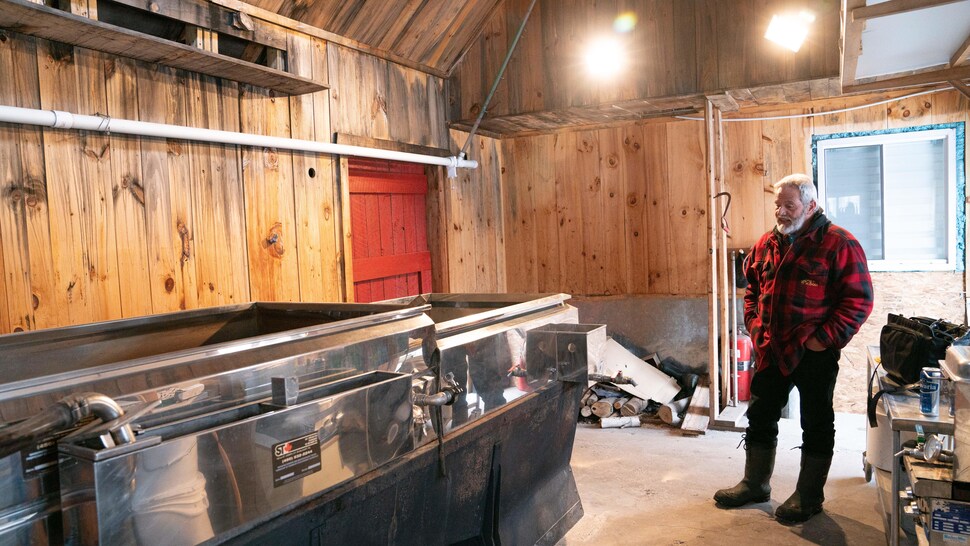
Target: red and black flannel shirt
818, 284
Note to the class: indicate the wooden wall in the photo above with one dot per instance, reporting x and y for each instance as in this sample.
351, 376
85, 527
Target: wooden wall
678, 47
624, 210
607, 212
96, 227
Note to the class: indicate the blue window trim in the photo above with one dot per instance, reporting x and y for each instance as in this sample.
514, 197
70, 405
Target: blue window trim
958, 128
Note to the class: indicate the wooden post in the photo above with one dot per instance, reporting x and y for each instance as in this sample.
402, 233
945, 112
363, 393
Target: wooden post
346, 247
713, 330
726, 349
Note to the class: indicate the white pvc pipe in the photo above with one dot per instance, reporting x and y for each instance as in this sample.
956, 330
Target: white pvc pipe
67, 120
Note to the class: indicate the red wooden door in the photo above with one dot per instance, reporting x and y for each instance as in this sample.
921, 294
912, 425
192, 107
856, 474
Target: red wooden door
389, 230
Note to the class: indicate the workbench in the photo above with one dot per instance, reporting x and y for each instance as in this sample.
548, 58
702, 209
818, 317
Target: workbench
904, 415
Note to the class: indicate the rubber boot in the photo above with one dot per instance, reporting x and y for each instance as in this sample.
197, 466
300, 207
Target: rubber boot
807, 499
758, 465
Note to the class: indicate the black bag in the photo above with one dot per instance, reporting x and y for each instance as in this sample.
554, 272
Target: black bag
906, 345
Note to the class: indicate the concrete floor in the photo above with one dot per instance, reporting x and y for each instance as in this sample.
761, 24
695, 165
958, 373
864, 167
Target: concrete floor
652, 486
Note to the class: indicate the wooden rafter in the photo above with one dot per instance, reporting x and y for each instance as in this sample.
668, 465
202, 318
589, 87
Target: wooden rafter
962, 54
963, 88
893, 7
922, 78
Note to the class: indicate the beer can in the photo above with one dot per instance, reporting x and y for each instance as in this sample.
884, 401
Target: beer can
929, 391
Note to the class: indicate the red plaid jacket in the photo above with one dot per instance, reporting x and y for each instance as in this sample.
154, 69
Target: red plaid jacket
817, 285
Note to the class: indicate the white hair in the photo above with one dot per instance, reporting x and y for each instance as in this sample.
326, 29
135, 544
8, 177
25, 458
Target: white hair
803, 183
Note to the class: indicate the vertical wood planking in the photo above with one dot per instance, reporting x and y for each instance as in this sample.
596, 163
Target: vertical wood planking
438, 232
461, 241
910, 112
268, 182
181, 163
128, 190
658, 225
744, 180
612, 255
162, 235
688, 208
16, 313
570, 184
314, 179
227, 167
492, 224
98, 216
544, 189
346, 269
49, 305
632, 157
518, 179
62, 150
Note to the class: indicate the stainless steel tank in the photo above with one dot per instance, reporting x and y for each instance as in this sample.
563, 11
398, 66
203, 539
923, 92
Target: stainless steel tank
414, 420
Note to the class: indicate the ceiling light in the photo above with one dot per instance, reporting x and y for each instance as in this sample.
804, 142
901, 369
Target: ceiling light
789, 30
604, 57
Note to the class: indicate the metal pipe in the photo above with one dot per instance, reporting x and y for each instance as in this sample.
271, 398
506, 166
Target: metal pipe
498, 77
66, 413
442, 398
66, 120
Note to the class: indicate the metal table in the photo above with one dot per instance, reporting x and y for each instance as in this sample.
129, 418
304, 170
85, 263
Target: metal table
903, 412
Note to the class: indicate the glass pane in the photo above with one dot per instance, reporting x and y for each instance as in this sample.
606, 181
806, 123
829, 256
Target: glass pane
853, 194
916, 205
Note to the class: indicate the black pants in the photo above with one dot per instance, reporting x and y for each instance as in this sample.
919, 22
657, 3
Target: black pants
815, 379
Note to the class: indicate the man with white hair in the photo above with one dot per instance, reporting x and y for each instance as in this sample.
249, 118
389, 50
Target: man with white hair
809, 292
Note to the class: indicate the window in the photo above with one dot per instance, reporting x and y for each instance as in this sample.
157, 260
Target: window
897, 192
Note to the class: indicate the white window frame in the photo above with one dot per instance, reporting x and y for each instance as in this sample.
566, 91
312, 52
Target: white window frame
949, 135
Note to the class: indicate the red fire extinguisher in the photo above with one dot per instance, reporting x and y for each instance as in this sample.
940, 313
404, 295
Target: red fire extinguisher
745, 366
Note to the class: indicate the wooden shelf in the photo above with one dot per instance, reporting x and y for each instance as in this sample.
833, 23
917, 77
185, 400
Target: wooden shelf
45, 22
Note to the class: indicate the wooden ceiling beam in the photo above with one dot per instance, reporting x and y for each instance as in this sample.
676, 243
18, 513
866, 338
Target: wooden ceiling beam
962, 54
922, 78
851, 42
893, 7
963, 88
